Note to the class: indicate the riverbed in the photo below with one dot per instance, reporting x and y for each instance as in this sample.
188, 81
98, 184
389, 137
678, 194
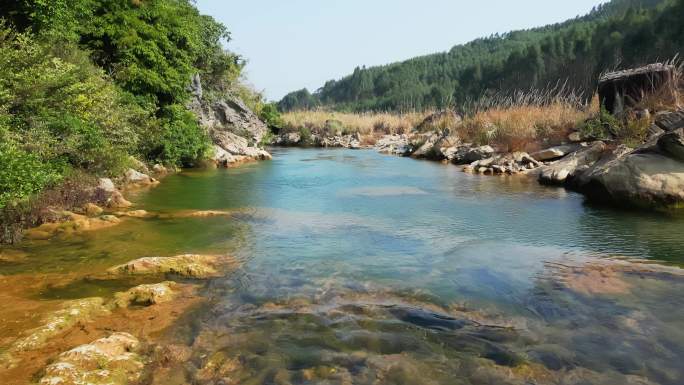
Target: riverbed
361, 268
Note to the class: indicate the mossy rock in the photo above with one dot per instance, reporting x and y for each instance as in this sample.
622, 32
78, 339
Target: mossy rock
113, 360
188, 265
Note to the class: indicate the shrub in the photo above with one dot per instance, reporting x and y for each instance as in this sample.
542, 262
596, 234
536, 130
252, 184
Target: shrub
23, 174
181, 141
271, 116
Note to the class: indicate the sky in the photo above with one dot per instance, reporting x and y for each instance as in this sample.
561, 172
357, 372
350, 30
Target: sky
292, 44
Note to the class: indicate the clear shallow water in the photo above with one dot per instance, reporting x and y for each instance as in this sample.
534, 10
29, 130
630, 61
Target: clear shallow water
371, 269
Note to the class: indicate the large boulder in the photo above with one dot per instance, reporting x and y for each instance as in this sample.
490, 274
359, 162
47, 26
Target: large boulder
583, 175
558, 172
478, 153
638, 179
652, 176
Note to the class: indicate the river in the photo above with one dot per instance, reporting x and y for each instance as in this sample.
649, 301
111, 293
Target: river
361, 268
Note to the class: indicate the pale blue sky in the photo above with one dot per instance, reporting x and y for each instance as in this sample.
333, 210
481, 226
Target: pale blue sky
291, 44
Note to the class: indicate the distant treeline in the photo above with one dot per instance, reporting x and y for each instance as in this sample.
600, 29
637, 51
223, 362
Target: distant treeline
574, 53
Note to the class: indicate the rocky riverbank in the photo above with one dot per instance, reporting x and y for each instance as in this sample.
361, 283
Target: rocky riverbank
651, 175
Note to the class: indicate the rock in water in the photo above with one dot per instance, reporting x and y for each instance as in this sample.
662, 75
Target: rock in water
72, 313
146, 295
113, 360
648, 180
557, 173
188, 265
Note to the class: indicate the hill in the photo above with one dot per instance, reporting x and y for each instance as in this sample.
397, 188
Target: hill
572, 53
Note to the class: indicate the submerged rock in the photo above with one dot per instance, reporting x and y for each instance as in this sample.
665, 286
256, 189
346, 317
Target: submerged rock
113, 361
428, 320
71, 314
133, 214
188, 265
73, 223
12, 256
146, 295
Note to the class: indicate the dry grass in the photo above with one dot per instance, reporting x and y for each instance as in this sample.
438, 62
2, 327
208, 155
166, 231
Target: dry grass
527, 126
366, 124
523, 128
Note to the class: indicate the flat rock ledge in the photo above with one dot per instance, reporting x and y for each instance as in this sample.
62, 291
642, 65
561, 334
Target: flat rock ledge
187, 266
71, 314
113, 360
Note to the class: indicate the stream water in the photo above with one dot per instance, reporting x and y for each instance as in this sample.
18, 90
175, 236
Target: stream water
359, 268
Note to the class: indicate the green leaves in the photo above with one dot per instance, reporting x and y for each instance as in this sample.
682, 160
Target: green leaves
22, 174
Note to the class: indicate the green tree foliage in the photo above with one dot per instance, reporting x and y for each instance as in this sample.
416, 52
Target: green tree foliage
58, 113
574, 53
85, 84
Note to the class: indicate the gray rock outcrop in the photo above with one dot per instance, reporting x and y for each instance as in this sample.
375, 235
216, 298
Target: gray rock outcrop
652, 176
557, 173
235, 130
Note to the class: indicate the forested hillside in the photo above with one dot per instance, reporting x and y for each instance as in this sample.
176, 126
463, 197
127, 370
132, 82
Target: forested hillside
620, 33
87, 84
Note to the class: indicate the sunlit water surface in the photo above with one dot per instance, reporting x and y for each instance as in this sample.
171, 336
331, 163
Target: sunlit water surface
369, 269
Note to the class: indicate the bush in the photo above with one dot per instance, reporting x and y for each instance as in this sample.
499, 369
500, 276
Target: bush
23, 174
271, 116
181, 141
59, 113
